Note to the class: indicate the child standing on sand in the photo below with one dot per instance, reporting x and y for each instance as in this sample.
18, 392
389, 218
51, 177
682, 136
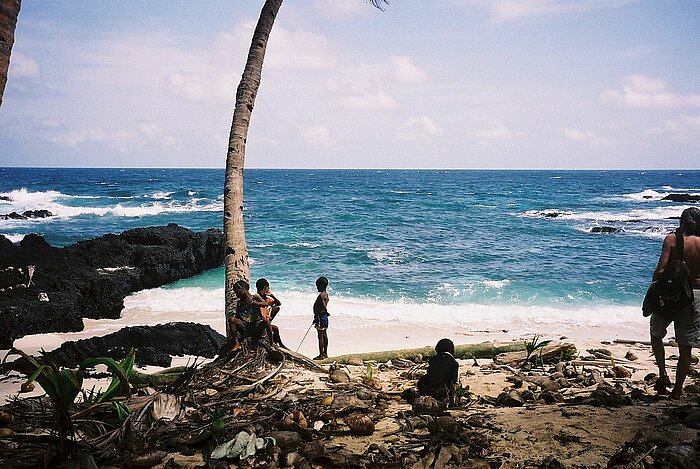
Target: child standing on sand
321, 317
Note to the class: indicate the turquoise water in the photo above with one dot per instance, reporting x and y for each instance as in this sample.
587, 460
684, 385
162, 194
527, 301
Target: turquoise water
448, 238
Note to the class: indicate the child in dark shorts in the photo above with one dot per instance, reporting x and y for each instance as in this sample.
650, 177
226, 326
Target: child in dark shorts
321, 317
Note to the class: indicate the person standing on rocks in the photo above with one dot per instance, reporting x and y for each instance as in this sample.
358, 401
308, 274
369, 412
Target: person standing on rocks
685, 323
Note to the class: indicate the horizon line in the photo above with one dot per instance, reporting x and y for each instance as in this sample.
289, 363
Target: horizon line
352, 169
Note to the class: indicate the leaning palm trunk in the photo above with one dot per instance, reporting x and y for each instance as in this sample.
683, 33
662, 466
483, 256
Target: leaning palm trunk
9, 9
236, 254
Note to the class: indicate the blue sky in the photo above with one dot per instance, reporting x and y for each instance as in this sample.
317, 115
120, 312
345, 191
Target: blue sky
426, 84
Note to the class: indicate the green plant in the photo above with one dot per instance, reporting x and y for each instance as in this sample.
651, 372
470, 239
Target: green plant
121, 410
218, 426
369, 373
533, 345
61, 386
566, 356
121, 370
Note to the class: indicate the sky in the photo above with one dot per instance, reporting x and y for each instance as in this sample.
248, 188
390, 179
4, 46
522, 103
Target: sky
502, 84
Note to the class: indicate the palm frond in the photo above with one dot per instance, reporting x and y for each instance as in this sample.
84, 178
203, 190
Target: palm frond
378, 3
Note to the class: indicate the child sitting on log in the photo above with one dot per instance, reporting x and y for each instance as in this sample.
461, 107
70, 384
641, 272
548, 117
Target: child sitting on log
441, 378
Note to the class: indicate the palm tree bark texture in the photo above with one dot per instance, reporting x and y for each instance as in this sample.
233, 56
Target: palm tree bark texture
9, 9
236, 253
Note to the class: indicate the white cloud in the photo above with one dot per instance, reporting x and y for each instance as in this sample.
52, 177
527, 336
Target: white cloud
22, 66
340, 10
406, 71
586, 137
419, 128
197, 87
121, 139
493, 134
298, 50
318, 135
366, 101
504, 11
683, 129
640, 91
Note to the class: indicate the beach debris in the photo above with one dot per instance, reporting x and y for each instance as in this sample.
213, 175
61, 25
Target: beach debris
510, 398
550, 351
27, 387
355, 361
336, 375
166, 407
427, 405
631, 356
294, 421
360, 425
243, 446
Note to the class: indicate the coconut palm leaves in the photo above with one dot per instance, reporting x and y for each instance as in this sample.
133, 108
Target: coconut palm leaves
61, 386
122, 371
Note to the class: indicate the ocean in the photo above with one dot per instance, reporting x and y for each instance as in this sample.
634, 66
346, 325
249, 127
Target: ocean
458, 249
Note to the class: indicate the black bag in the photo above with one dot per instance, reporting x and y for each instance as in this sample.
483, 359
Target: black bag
671, 293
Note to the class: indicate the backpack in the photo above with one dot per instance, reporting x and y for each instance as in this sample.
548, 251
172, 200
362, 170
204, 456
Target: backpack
671, 294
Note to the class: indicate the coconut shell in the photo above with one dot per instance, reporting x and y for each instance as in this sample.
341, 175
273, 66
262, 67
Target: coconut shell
360, 425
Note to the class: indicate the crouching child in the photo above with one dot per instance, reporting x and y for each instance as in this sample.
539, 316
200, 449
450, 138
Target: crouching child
441, 379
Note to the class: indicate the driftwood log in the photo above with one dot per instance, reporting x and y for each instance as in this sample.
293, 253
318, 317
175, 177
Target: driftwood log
467, 351
552, 350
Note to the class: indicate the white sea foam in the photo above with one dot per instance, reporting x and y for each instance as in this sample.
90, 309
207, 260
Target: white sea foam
15, 238
22, 200
391, 256
160, 195
197, 304
650, 214
646, 195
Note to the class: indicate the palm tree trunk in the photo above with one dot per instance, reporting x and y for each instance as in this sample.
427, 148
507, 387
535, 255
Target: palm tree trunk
9, 9
236, 254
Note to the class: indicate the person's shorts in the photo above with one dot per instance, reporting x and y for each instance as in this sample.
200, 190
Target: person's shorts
686, 326
322, 324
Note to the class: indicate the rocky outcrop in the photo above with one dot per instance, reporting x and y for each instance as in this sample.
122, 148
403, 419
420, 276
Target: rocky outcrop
605, 229
27, 214
91, 278
153, 345
683, 198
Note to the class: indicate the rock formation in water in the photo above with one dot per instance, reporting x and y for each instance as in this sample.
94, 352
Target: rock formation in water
90, 279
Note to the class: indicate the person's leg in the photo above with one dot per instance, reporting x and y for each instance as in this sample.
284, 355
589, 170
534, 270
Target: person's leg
320, 344
687, 328
236, 327
325, 344
682, 370
658, 326
276, 339
657, 346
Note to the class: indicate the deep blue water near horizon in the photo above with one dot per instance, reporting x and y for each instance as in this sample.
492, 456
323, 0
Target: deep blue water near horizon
424, 236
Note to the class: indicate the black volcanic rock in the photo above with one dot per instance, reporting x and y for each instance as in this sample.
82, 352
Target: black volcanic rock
684, 198
605, 229
37, 214
91, 278
153, 345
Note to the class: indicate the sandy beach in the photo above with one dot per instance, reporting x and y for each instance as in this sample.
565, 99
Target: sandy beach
575, 435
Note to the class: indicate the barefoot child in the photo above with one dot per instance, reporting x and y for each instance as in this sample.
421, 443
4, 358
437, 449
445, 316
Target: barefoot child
321, 317
270, 311
247, 318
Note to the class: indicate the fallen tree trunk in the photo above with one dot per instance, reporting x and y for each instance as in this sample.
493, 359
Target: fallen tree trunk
553, 350
466, 351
